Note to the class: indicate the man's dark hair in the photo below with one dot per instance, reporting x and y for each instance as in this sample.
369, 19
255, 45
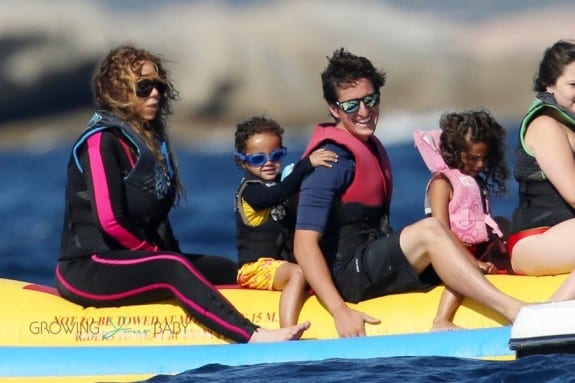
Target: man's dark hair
345, 68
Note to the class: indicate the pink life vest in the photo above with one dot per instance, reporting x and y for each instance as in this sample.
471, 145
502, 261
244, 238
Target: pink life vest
467, 216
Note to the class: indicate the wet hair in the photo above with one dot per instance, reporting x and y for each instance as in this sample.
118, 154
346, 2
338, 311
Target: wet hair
554, 61
461, 129
250, 127
346, 68
113, 87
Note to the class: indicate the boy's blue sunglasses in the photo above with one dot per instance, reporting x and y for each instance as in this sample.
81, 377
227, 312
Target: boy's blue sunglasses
352, 106
258, 159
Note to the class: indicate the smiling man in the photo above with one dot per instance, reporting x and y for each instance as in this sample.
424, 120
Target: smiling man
343, 242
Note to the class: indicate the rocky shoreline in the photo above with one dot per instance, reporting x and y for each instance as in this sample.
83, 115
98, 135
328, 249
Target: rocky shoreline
265, 59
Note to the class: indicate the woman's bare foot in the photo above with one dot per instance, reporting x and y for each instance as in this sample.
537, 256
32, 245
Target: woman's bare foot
264, 335
444, 324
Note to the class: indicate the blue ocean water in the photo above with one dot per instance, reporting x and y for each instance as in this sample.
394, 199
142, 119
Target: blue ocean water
32, 200
533, 369
31, 206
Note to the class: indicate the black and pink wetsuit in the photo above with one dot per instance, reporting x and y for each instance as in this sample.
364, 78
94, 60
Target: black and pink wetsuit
118, 247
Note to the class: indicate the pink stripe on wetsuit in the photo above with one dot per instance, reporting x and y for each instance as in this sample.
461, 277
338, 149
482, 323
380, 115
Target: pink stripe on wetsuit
108, 220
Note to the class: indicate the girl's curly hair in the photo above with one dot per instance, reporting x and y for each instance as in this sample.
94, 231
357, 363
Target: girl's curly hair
459, 130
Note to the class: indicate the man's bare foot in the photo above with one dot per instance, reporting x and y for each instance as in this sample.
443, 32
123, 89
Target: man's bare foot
443, 324
264, 335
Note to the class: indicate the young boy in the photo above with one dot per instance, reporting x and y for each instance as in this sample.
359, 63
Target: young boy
265, 213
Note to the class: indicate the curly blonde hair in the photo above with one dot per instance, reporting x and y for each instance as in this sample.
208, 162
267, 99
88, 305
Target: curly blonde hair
113, 86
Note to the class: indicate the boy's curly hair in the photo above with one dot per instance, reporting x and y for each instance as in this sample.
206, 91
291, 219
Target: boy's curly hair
254, 125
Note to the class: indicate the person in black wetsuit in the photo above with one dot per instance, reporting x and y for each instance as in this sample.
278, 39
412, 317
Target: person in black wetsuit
117, 245
265, 207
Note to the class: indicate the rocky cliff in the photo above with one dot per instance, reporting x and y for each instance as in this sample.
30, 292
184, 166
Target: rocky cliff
233, 61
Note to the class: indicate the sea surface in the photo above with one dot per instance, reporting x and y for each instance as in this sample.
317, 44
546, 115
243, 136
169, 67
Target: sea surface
31, 208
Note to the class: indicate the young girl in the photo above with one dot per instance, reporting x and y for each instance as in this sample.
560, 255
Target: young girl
265, 213
467, 161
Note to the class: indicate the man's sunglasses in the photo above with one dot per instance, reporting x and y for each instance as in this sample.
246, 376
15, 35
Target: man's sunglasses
258, 159
352, 106
145, 87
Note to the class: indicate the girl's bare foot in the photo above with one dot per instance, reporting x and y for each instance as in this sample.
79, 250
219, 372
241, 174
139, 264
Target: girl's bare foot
443, 324
264, 335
